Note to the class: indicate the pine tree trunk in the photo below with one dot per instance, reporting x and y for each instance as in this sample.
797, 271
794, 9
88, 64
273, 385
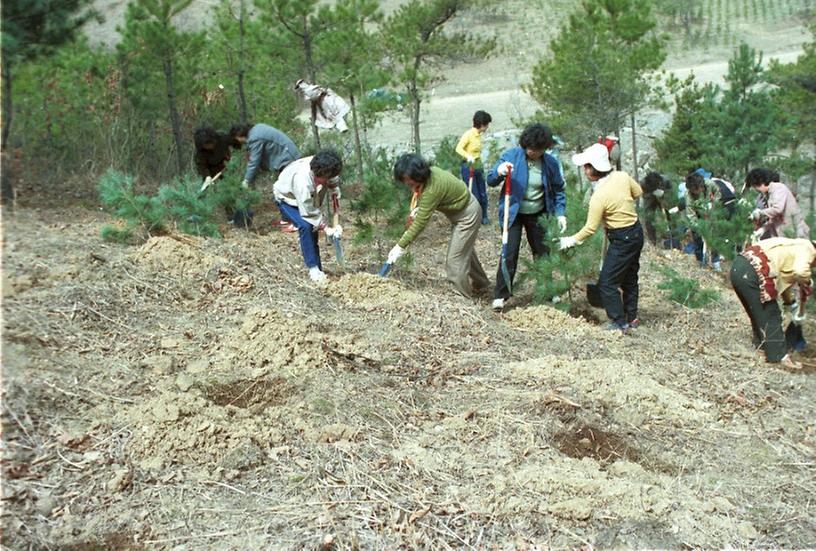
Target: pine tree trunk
7, 103
175, 120
358, 150
242, 103
634, 151
310, 71
413, 98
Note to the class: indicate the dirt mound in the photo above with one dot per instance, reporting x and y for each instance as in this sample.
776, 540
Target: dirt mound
627, 390
182, 257
191, 428
269, 342
370, 291
549, 319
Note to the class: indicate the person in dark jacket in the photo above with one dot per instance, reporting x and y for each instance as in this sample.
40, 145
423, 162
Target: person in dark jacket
656, 195
212, 151
536, 189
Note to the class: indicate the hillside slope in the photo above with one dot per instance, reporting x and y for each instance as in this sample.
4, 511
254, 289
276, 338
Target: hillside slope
202, 394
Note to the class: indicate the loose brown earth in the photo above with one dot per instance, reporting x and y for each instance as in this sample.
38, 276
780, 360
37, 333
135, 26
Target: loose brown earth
190, 393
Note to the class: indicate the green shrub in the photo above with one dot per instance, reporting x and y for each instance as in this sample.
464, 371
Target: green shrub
141, 215
686, 291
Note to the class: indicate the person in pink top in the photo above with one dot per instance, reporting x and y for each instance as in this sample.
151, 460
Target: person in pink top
777, 213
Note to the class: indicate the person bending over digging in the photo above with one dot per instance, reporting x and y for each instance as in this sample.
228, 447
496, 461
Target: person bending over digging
470, 149
299, 192
212, 151
536, 189
436, 189
613, 204
760, 274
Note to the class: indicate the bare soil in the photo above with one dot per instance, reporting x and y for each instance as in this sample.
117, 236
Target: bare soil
202, 394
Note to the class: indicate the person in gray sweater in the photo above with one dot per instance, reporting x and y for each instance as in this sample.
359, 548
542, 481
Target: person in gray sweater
269, 148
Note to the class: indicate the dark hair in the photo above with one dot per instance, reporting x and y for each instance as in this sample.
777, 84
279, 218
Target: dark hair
653, 181
412, 166
326, 163
597, 173
774, 175
204, 135
239, 130
481, 118
694, 181
536, 136
758, 176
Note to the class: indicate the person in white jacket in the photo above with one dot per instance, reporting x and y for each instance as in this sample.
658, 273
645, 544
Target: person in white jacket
329, 108
299, 192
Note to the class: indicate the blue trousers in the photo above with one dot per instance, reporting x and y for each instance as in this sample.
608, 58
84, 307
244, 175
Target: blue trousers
618, 281
479, 186
308, 237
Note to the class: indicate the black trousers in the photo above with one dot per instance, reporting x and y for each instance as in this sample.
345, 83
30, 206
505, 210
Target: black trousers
618, 281
535, 237
766, 318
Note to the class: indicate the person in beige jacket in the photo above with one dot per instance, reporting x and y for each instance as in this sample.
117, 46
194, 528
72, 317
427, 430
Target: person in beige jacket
777, 213
763, 272
613, 205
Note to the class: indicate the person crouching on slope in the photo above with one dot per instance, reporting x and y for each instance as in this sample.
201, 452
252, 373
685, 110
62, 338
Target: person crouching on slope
760, 274
613, 204
299, 192
437, 189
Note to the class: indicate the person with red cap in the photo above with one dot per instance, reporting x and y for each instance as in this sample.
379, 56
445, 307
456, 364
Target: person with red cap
613, 204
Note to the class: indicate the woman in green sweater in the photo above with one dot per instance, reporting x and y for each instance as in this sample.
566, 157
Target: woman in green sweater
436, 189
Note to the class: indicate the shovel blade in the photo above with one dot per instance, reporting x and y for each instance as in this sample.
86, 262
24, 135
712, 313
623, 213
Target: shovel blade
385, 269
593, 294
338, 251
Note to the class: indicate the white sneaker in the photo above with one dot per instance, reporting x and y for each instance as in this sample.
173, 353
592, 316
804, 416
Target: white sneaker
317, 275
498, 304
717, 266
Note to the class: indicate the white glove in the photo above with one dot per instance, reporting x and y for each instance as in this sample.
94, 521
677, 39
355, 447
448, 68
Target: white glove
503, 168
395, 253
674, 210
567, 243
207, 183
470, 159
245, 184
756, 214
334, 233
562, 224
759, 233
658, 193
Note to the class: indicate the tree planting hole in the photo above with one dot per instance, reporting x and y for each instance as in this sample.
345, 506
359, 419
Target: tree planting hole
589, 441
250, 393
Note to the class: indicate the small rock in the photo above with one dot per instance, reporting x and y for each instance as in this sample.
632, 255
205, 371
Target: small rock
746, 530
121, 480
169, 342
198, 366
159, 364
245, 455
164, 412
45, 504
184, 382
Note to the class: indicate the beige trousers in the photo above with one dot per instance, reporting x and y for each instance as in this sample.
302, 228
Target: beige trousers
462, 265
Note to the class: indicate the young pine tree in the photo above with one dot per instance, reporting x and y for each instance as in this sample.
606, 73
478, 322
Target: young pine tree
140, 215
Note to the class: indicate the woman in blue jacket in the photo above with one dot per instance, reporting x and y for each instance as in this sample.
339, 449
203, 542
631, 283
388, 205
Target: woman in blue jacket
536, 189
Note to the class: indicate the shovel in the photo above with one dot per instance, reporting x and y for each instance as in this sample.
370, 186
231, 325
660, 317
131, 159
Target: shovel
470, 180
505, 272
593, 293
338, 247
209, 181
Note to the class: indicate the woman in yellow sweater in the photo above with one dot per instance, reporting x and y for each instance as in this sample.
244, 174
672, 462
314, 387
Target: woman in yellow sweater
760, 274
613, 204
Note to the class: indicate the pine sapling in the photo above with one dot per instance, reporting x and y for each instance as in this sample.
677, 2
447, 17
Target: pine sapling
141, 216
